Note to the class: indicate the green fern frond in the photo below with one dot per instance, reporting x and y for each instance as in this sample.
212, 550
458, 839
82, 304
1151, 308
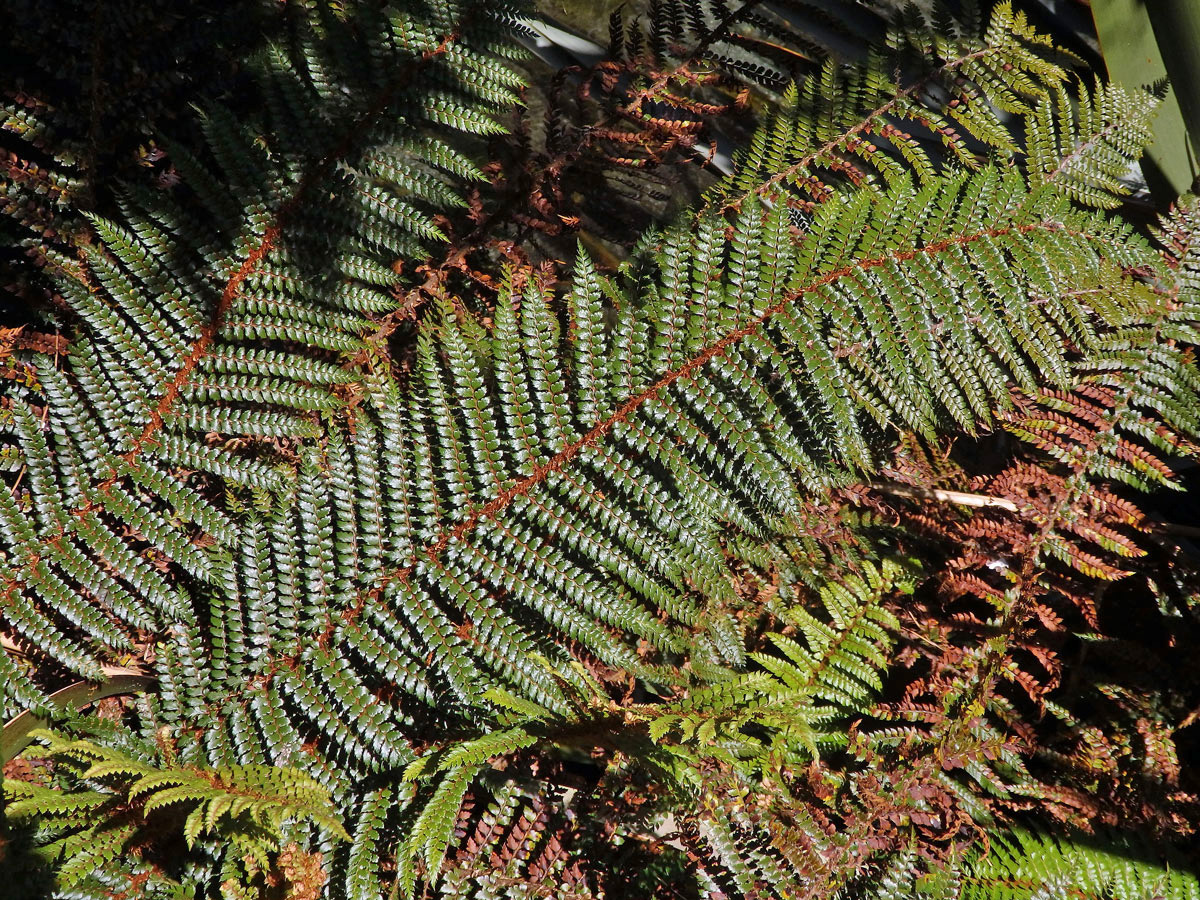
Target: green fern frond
848, 124
355, 567
216, 315
1087, 144
432, 830
500, 487
794, 704
800, 688
1027, 865
110, 799
261, 796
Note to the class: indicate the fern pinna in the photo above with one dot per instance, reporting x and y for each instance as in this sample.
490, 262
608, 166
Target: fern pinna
248, 807
584, 584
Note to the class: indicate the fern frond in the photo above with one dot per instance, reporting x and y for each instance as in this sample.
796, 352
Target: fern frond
1086, 144
450, 564
111, 800
777, 716
215, 316
1031, 865
558, 500
262, 795
849, 124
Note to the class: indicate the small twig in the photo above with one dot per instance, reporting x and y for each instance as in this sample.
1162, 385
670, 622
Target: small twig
961, 498
1173, 528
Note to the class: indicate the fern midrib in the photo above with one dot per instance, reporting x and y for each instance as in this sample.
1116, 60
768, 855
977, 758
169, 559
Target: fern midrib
846, 632
1081, 148
434, 548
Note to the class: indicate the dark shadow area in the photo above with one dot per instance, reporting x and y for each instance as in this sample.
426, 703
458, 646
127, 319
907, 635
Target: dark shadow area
88, 87
25, 876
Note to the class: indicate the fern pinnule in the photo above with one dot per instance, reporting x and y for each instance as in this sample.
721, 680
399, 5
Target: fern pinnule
1087, 143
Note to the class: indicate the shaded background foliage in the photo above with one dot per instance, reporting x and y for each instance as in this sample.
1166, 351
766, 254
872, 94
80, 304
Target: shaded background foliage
88, 89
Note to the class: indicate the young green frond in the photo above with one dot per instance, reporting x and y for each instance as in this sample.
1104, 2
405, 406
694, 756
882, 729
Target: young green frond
244, 812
